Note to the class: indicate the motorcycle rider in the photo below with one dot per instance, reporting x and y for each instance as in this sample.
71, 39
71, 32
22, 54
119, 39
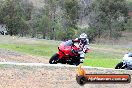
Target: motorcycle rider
83, 43
127, 59
126, 63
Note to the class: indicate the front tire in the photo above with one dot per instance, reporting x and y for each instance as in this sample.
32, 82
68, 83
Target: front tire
54, 59
120, 66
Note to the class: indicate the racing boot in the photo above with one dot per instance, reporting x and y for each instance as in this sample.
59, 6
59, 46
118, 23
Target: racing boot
81, 59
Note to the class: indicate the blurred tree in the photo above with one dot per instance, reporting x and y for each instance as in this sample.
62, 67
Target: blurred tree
14, 16
71, 12
107, 17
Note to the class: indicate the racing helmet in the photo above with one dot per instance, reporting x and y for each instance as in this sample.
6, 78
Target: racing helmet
83, 36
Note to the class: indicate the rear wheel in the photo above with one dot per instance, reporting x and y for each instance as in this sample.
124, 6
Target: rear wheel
54, 59
120, 66
75, 61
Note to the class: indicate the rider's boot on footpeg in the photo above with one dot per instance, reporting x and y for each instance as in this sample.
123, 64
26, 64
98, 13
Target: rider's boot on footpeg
81, 59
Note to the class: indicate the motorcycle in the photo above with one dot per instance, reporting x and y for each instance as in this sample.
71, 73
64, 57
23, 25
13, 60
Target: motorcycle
126, 63
67, 54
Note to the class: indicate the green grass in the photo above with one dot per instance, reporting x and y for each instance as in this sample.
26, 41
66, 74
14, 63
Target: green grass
40, 50
102, 59
100, 55
108, 63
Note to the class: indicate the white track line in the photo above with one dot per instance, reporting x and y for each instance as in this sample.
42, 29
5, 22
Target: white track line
47, 65
34, 64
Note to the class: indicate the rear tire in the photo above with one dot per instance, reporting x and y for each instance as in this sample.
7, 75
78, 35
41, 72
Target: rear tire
54, 59
120, 66
77, 62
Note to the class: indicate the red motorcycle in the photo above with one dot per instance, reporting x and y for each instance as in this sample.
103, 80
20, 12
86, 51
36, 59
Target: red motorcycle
67, 54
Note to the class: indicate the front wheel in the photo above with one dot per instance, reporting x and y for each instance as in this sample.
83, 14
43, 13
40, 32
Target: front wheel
54, 59
120, 66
